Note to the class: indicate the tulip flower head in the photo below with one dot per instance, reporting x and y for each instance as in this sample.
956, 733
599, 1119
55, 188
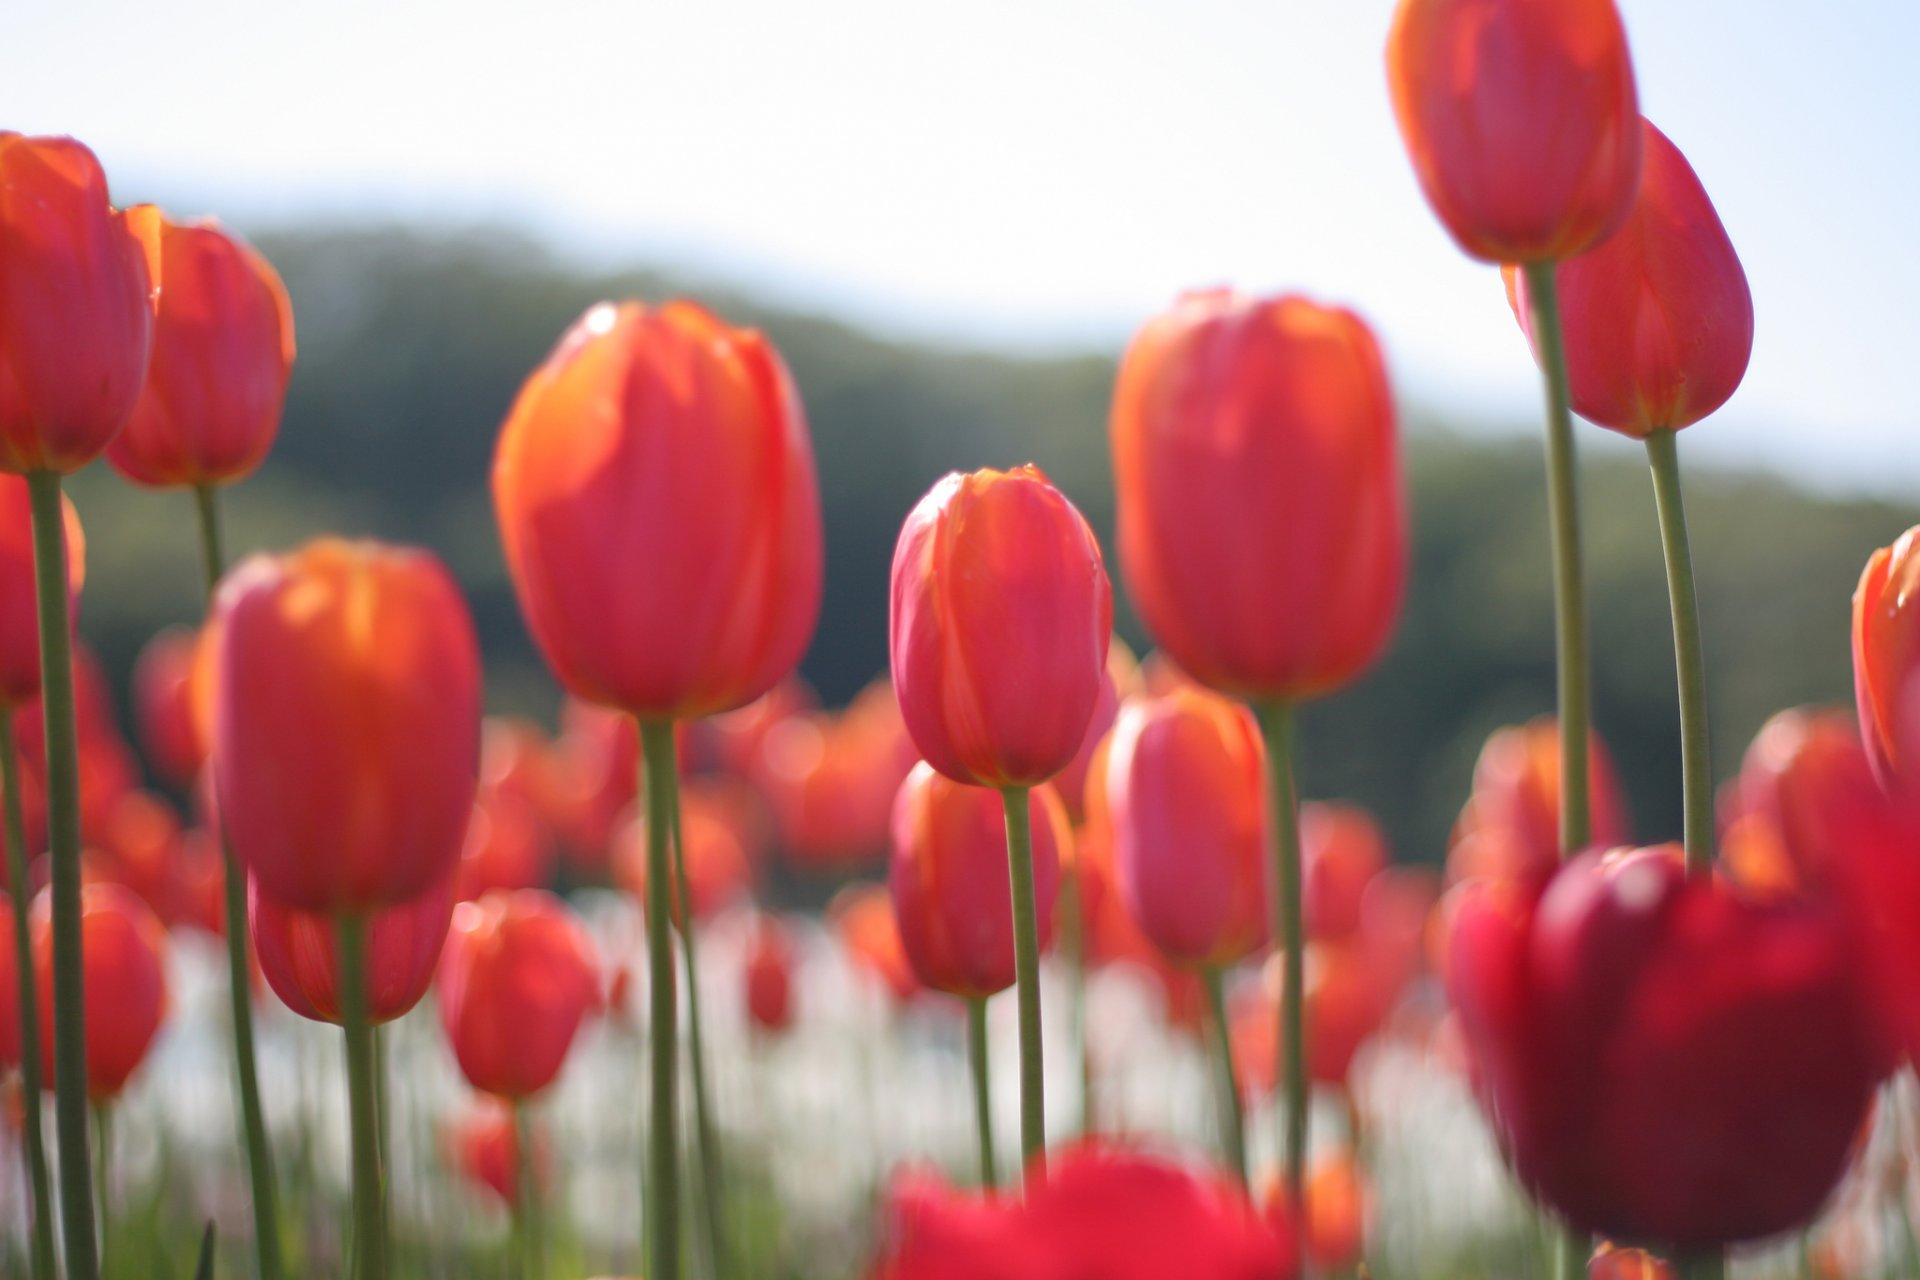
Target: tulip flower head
124, 961
1886, 657
298, 953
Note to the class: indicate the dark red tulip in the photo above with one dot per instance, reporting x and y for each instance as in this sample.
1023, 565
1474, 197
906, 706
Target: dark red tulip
222, 353
662, 437
299, 953
1521, 119
768, 975
518, 976
124, 962
1662, 1059
1262, 525
1657, 320
78, 283
346, 722
1000, 619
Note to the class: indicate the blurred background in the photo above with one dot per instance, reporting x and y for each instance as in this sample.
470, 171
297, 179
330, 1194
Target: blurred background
950, 224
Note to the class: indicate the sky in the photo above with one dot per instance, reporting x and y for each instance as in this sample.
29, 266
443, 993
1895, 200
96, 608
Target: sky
1033, 174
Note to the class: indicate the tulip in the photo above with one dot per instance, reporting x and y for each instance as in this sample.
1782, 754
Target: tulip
299, 957
768, 975
1610, 1263
863, 920
830, 779
163, 706
1641, 1039
517, 977
346, 723
661, 440
1521, 119
507, 845
19, 637
594, 766
1342, 851
222, 353
1885, 654
733, 740
124, 951
1777, 837
138, 846
717, 870
486, 1151
1509, 827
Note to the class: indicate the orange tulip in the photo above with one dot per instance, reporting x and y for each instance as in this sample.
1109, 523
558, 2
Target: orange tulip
1186, 798
1611, 1263
1658, 320
1521, 119
517, 977
863, 920
19, 618
830, 780
222, 353
1000, 619
1339, 1202
163, 705
78, 282
346, 724
1886, 628
124, 962
1777, 838
952, 892
1509, 828
1257, 485
655, 489
298, 953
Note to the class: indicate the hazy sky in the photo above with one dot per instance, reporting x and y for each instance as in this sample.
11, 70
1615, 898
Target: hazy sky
1032, 172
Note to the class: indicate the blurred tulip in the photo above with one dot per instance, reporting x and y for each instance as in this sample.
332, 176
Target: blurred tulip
516, 979
298, 953
1339, 1203
862, 918
1510, 826
1342, 850
1521, 119
830, 780
1657, 320
78, 283
662, 440
1662, 1059
1185, 794
1000, 619
139, 847
222, 354
124, 959
732, 740
1123, 679
507, 846
347, 723
594, 769
768, 975
950, 882
1886, 654
1258, 491
163, 706
19, 619
486, 1150
718, 873
1610, 1263
1776, 837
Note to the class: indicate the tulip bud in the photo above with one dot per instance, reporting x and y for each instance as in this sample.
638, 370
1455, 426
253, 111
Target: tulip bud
124, 966
1000, 619
1521, 119
298, 953
1262, 528
1886, 654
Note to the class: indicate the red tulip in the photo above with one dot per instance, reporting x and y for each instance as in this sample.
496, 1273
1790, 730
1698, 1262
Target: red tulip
1658, 320
951, 887
1521, 120
1000, 619
124, 970
298, 953
663, 442
1510, 826
486, 1150
1776, 836
1342, 852
507, 845
1662, 1059
222, 353
78, 282
517, 977
346, 724
163, 705
1257, 487
768, 975
862, 918
1886, 654
1186, 799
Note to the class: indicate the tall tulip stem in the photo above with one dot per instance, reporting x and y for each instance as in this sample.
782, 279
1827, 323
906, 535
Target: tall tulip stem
63, 813
369, 1189
526, 1198
22, 891
1026, 970
266, 1213
1233, 1135
1289, 931
982, 1088
662, 1183
1690, 667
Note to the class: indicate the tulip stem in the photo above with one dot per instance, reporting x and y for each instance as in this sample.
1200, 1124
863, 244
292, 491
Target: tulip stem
102, 1154
712, 1181
1289, 928
526, 1197
30, 1104
369, 1191
1233, 1135
663, 1209
266, 1210
1709, 1267
982, 1091
1569, 590
1696, 767
1026, 972
63, 813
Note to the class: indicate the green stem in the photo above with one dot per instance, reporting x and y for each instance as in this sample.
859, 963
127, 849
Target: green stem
63, 812
1026, 969
102, 1156
253, 1123
22, 891
526, 1199
1710, 1267
1569, 590
369, 1189
712, 1182
1233, 1134
982, 1089
1690, 666
1289, 931
663, 1211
